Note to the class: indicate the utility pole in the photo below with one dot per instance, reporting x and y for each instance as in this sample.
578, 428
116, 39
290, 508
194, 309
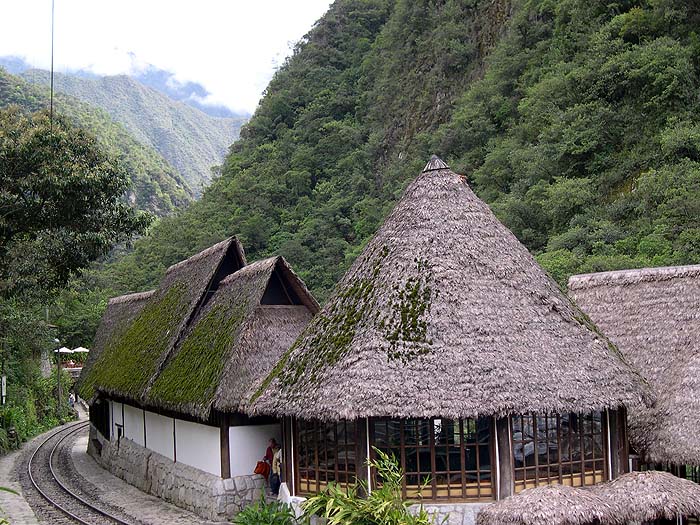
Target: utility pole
58, 380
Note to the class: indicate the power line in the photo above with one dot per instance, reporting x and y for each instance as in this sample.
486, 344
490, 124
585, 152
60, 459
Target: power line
52, 39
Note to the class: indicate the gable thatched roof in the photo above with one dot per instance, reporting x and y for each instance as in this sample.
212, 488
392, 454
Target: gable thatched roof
653, 315
131, 360
233, 342
642, 497
551, 505
446, 314
120, 312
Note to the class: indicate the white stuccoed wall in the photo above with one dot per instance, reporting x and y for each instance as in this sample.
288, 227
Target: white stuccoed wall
133, 424
116, 417
159, 434
247, 445
198, 446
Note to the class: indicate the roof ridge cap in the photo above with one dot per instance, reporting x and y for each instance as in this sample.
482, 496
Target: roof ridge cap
435, 163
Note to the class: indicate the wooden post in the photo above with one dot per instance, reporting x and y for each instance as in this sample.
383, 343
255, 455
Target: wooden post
288, 454
225, 450
506, 485
362, 450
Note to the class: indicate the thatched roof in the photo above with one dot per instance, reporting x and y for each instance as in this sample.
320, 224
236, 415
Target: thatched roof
550, 505
131, 360
120, 312
653, 316
233, 342
446, 314
637, 497
642, 497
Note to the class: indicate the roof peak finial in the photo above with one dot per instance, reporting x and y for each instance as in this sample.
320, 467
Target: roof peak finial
435, 163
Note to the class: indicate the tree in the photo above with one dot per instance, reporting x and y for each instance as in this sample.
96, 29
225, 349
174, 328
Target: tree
61, 202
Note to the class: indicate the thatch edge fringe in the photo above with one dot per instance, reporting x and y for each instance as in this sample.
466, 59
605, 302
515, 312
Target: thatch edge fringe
131, 298
634, 276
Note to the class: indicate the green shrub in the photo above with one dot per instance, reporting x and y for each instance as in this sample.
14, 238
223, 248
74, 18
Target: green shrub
264, 513
383, 506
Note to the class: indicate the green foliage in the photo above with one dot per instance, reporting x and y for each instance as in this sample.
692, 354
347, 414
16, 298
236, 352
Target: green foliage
188, 139
264, 513
155, 185
575, 121
130, 358
383, 506
59, 202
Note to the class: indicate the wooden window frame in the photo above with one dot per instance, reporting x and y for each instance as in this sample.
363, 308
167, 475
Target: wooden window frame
306, 462
566, 470
485, 490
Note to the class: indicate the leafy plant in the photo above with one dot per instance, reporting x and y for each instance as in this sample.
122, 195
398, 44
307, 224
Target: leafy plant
384, 505
264, 513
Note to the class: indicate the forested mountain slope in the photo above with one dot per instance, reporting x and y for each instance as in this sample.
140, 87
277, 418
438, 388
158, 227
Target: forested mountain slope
189, 139
575, 120
156, 186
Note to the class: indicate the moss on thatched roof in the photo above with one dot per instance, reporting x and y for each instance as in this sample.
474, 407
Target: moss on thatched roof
551, 505
120, 312
205, 338
445, 313
228, 336
653, 316
132, 358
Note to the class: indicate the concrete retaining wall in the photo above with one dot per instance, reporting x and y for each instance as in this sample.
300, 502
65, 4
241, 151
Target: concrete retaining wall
205, 494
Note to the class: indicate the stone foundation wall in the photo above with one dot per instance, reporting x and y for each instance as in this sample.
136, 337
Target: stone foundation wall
454, 513
205, 494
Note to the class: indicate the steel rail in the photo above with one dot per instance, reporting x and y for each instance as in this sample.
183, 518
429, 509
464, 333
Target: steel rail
70, 430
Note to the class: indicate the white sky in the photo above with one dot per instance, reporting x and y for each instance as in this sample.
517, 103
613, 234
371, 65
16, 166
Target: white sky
231, 47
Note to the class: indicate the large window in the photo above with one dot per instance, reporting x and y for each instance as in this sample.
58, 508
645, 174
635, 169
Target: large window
567, 449
453, 455
326, 452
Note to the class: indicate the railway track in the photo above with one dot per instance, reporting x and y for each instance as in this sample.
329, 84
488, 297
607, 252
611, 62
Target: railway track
63, 503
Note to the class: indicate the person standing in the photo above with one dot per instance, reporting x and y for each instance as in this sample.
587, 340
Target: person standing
276, 469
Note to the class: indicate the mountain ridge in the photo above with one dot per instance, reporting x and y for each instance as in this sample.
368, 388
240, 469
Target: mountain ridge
156, 185
190, 140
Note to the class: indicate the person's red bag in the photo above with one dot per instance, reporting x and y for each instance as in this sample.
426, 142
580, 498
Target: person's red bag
262, 468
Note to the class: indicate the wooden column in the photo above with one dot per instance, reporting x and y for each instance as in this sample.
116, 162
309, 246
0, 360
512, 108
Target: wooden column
288, 459
506, 484
617, 434
225, 450
362, 448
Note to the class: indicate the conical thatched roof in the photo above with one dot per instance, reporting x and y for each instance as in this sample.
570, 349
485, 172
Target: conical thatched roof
653, 316
445, 313
120, 312
233, 343
642, 497
551, 505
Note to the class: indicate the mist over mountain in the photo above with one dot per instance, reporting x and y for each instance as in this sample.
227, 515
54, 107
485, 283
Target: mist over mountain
155, 185
192, 141
191, 93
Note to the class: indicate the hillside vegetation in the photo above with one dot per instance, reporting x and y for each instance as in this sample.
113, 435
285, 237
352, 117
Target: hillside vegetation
155, 185
190, 140
575, 120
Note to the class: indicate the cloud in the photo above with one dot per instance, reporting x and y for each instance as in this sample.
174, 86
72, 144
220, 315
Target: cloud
231, 48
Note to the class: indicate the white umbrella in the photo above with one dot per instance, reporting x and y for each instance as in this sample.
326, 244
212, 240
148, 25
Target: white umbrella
80, 350
63, 350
